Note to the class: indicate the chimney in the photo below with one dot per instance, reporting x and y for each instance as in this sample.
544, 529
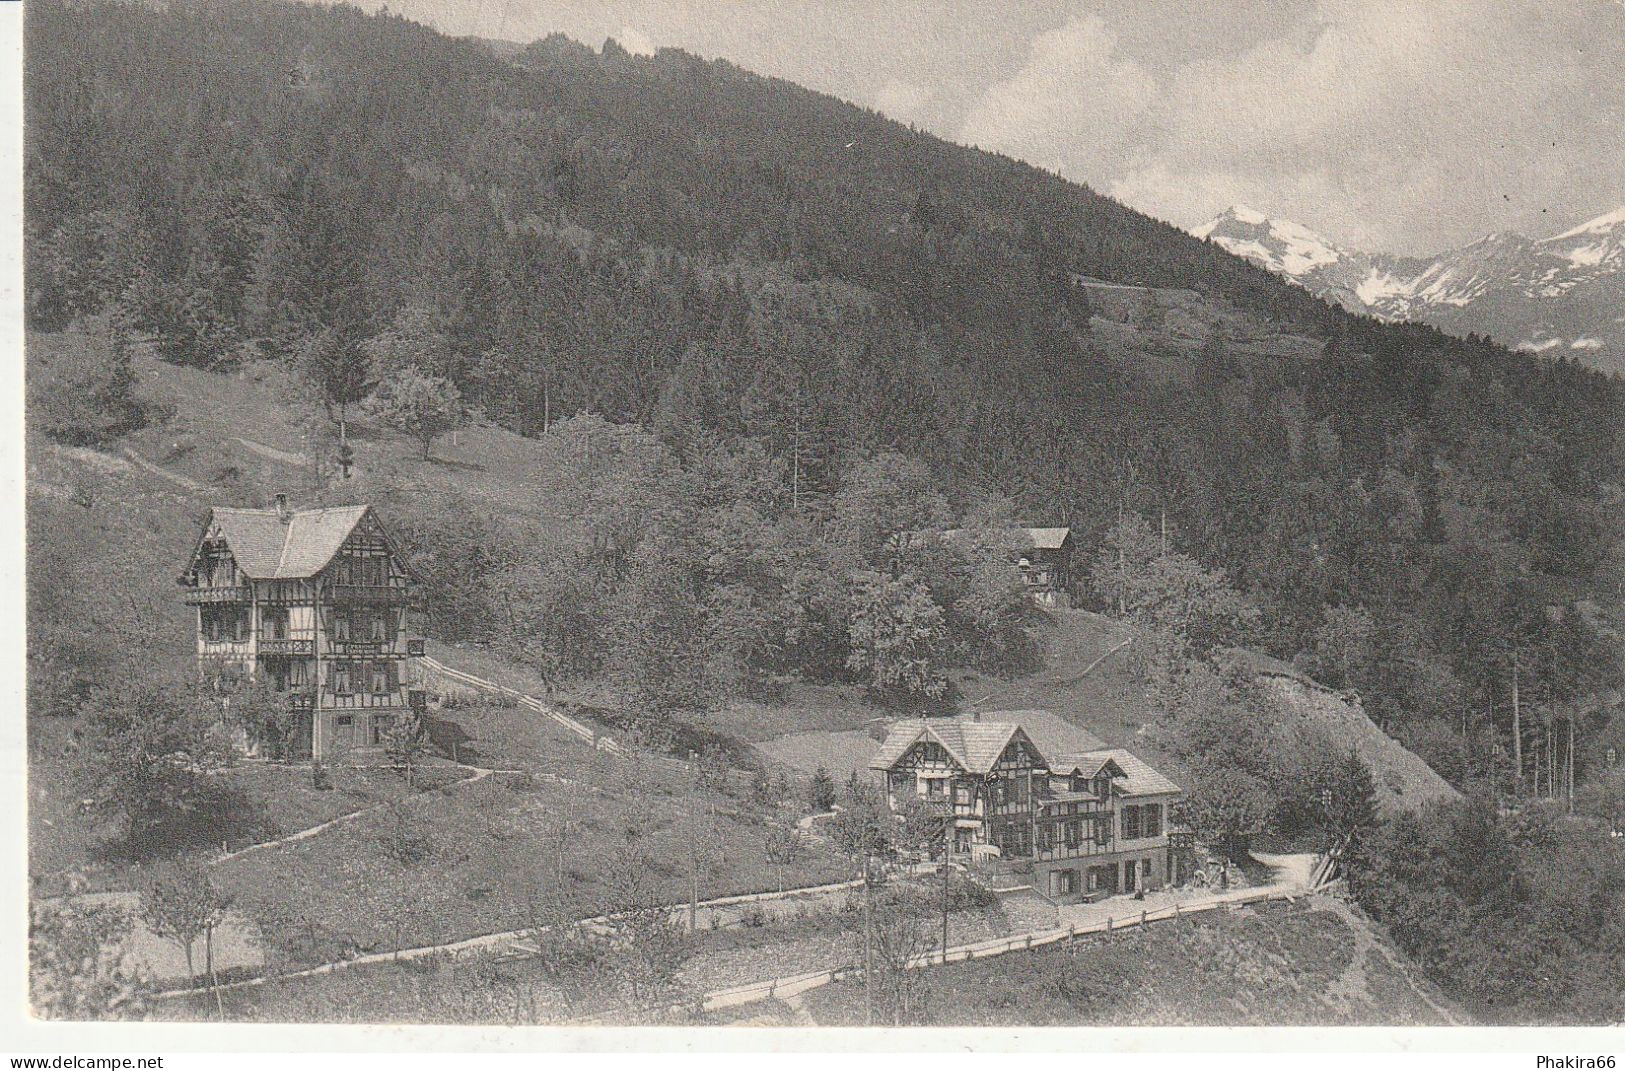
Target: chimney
284, 514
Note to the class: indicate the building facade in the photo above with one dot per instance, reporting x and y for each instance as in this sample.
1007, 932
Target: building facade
315, 604
1041, 557
1085, 825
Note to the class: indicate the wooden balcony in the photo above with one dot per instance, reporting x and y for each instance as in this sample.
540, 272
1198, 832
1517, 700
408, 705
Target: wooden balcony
301, 701
359, 648
290, 648
369, 594
215, 596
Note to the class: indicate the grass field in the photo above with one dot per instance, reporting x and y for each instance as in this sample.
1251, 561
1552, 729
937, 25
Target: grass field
70, 845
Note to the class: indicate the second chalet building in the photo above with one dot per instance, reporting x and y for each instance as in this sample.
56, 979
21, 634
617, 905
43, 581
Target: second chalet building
314, 602
1084, 823
1040, 557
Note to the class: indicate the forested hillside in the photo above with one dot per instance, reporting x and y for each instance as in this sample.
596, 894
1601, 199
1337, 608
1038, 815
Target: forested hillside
706, 252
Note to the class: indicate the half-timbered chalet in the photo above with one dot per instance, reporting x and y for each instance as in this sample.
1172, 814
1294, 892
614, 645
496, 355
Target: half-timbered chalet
1088, 823
314, 602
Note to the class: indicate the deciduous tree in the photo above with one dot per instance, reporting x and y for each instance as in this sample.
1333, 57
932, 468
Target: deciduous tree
419, 405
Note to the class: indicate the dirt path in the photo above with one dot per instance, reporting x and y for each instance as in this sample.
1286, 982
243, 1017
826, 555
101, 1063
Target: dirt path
1354, 983
173, 477
1290, 869
287, 457
476, 773
725, 906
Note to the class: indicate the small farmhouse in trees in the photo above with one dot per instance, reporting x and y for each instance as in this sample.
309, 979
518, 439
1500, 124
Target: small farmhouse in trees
1042, 557
1083, 824
313, 602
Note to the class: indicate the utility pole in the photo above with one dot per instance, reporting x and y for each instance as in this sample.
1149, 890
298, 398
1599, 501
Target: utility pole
694, 859
1551, 761
1122, 567
946, 825
795, 462
868, 945
1517, 730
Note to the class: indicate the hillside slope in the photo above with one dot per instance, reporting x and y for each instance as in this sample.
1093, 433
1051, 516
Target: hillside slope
118, 524
1086, 677
1318, 963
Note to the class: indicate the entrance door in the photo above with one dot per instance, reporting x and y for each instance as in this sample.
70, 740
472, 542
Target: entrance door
1062, 883
299, 745
343, 733
1131, 871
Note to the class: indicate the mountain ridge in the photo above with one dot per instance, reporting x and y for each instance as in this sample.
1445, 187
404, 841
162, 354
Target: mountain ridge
1559, 294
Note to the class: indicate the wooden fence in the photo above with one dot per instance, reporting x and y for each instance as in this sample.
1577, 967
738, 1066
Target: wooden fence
801, 983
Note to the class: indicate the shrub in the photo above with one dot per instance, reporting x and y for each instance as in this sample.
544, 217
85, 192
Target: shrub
783, 845
84, 394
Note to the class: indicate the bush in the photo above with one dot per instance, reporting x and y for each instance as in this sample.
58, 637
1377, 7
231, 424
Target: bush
783, 846
84, 394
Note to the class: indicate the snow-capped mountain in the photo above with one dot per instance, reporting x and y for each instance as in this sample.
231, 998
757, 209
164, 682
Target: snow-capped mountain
1563, 294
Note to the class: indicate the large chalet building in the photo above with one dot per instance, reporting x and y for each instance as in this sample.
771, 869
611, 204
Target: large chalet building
1085, 824
314, 602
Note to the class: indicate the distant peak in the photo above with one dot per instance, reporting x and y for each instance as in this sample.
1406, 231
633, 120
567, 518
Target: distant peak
1601, 225
1251, 217
1246, 215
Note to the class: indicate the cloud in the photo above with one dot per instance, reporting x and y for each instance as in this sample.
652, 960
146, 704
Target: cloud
635, 42
904, 101
1390, 124
1073, 107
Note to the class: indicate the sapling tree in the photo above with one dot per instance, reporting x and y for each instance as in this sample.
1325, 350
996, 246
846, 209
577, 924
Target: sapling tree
183, 907
406, 744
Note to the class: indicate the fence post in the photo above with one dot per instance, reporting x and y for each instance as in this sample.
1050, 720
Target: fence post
1108, 924
1142, 916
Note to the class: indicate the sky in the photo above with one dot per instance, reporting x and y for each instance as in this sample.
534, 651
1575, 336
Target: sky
1401, 126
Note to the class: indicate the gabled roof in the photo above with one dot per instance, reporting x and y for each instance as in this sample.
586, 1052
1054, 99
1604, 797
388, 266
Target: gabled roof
1017, 538
974, 744
1089, 766
267, 549
1050, 733
1011, 539
1138, 777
